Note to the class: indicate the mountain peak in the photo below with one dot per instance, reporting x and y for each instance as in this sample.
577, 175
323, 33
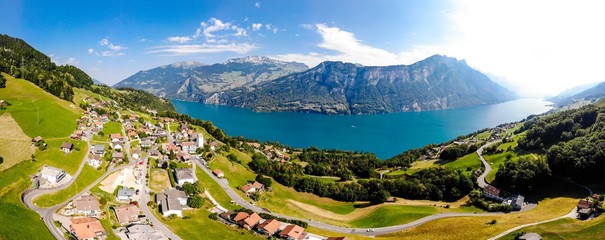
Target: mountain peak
185, 64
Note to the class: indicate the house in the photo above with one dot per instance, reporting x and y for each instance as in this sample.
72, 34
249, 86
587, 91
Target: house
125, 194
136, 154
199, 140
184, 175
188, 147
240, 216
517, 202
171, 201
269, 227
218, 173
585, 213
337, 238
143, 232
87, 205
37, 139
117, 156
254, 187
163, 161
115, 137
293, 232
66, 147
251, 221
530, 236
95, 160
127, 214
184, 157
52, 175
492, 192
391, 199
596, 197
583, 204
154, 153
98, 149
213, 145
146, 144
132, 135
117, 146
86, 228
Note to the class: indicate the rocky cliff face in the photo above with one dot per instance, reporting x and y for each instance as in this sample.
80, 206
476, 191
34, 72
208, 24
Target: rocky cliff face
192, 81
437, 82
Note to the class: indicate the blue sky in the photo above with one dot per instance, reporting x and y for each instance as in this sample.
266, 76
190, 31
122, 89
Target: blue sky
536, 48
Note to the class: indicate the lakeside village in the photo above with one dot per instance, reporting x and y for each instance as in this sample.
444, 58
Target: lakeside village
115, 202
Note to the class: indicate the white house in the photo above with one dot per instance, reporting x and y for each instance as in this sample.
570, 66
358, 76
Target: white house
125, 194
171, 201
136, 154
199, 141
95, 160
52, 175
188, 147
184, 175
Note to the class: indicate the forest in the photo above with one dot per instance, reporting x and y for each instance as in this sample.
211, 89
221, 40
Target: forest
20, 60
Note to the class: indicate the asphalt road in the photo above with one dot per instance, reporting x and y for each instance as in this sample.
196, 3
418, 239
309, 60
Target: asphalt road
488, 168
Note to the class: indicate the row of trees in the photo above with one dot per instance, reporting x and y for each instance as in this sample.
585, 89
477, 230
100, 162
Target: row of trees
432, 183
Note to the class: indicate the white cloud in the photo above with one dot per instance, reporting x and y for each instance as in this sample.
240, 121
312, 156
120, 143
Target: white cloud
202, 48
540, 47
90, 51
69, 61
179, 39
72, 61
213, 26
346, 47
112, 50
257, 26
257, 5
272, 28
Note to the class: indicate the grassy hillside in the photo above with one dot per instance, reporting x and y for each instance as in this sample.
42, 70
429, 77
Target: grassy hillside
38, 112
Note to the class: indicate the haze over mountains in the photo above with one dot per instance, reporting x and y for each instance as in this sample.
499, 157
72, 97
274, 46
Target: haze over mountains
192, 81
264, 84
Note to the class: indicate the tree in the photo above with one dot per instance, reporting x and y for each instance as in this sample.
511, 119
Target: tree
264, 180
523, 175
192, 188
213, 216
1, 160
2, 81
378, 197
196, 201
172, 155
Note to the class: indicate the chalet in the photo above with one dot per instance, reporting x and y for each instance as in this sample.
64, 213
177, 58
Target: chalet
87, 205
585, 213
583, 204
95, 160
127, 214
75, 136
293, 232
125, 194
133, 135
250, 222
66, 147
240, 216
218, 173
116, 137
188, 147
52, 175
253, 187
154, 153
184, 175
117, 156
269, 227
37, 139
87, 228
98, 149
171, 201
516, 201
492, 192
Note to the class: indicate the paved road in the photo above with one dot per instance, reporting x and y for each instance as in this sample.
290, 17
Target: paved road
143, 190
362, 231
481, 179
571, 214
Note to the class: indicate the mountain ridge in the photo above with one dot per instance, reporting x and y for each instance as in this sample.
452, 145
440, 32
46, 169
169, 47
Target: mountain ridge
335, 87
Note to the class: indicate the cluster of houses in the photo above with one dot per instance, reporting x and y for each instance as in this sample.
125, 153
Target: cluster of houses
84, 222
269, 227
253, 187
586, 207
516, 201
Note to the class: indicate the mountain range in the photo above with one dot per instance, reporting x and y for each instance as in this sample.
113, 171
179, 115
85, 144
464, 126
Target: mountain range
591, 93
192, 81
332, 87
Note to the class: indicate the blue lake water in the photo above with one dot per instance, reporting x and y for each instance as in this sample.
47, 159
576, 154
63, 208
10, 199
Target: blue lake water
385, 134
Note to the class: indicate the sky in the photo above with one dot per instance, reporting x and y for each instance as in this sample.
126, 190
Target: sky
536, 48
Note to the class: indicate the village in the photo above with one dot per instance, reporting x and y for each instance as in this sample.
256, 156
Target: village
123, 196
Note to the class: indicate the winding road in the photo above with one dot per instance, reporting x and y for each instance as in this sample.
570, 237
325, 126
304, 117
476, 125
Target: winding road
488, 168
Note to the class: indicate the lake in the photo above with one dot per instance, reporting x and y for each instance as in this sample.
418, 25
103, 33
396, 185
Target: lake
385, 135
